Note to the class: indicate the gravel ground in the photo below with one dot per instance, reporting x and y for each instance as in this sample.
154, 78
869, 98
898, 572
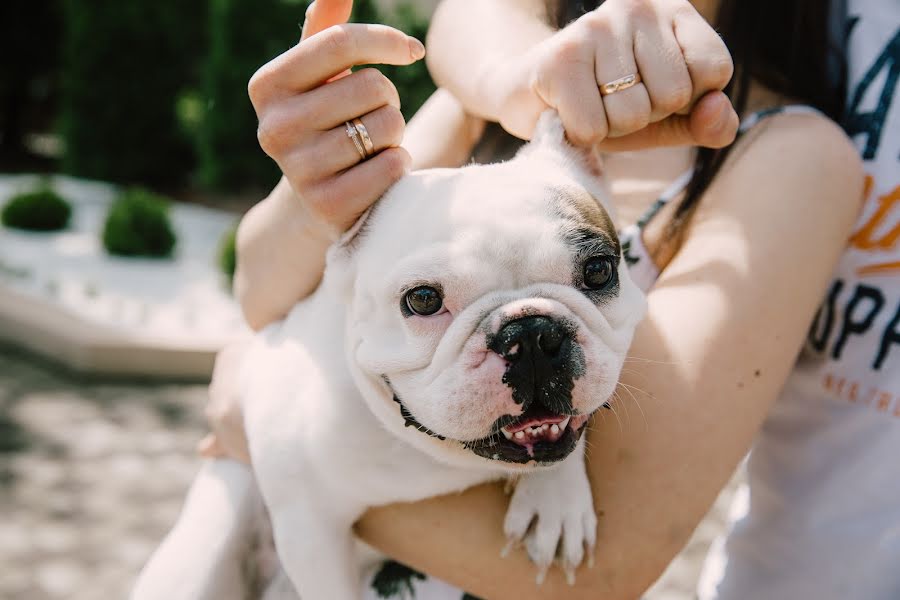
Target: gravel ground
92, 475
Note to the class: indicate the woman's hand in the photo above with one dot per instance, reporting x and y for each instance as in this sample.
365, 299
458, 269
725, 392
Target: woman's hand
223, 410
304, 97
683, 66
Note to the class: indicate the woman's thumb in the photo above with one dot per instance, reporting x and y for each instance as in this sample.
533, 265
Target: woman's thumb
322, 14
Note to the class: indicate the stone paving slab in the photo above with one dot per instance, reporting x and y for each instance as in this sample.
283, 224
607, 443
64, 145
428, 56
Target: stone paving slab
91, 476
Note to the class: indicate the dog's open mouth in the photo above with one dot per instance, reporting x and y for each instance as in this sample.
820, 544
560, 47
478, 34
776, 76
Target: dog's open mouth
537, 435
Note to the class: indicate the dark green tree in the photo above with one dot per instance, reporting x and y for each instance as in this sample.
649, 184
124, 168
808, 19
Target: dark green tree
28, 70
243, 36
124, 66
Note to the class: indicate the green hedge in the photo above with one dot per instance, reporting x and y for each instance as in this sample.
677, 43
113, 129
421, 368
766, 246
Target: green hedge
155, 93
40, 210
29, 69
243, 36
138, 225
124, 65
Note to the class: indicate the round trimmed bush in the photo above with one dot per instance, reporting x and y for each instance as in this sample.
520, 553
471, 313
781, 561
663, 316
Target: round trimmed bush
138, 225
40, 210
228, 253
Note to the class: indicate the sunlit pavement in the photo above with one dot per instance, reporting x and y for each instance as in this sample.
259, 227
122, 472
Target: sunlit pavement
91, 477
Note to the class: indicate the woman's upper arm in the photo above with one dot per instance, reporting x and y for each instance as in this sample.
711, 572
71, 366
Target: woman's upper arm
724, 324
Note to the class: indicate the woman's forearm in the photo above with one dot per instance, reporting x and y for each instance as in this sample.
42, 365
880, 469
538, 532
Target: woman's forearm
467, 40
280, 257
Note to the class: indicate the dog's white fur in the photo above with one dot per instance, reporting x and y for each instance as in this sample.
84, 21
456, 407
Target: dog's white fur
326, 434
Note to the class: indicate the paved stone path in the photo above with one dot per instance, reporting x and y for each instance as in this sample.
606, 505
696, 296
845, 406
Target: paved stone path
93, 474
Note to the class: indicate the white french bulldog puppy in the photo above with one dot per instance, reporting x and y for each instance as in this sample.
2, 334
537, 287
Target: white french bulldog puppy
464, 331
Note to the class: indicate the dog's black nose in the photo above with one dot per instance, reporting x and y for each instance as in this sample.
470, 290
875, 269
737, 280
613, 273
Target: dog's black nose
543, 361
533, 338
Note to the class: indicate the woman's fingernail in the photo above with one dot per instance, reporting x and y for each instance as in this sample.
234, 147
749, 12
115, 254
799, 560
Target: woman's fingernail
416, 48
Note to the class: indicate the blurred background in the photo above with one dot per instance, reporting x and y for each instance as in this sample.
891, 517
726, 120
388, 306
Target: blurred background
127, 153
154, 93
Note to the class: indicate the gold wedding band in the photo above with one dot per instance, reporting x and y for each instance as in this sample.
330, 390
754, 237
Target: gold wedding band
623, 83
364, 135
353, 134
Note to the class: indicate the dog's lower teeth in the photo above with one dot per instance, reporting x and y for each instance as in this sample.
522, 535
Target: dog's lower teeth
544, 431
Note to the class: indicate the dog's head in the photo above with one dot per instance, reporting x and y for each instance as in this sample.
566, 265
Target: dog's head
489, 307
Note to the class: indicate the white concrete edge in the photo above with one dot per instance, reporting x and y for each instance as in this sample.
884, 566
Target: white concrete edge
48, 329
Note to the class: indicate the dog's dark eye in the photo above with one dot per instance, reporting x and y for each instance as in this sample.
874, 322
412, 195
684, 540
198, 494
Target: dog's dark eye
424, 300
599, 272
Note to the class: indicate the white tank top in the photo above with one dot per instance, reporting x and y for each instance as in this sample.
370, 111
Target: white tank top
821, 520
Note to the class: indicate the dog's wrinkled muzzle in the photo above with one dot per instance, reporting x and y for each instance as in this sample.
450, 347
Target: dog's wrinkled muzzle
542, 362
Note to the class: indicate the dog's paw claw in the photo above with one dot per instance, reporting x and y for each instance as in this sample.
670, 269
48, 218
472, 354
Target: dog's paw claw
552, 527
541, 575
570, 574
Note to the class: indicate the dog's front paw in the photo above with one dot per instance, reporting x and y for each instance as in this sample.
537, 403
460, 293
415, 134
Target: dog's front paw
552, 514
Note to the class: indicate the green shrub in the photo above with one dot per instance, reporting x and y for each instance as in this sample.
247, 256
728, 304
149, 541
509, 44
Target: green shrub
125, 64
228, 253
138, 225
40, 210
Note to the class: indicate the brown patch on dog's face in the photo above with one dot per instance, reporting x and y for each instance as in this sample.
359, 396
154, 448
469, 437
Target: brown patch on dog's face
586, 218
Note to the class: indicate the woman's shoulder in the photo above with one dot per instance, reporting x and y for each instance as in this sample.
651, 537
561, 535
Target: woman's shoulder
791, 162
802, 128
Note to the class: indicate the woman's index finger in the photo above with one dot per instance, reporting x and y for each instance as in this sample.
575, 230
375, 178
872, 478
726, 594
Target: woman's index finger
332, 51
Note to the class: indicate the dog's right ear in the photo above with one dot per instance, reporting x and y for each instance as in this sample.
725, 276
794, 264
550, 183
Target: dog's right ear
549, 139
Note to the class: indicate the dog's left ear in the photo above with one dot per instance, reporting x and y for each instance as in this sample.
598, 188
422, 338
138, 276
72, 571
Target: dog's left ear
549, 139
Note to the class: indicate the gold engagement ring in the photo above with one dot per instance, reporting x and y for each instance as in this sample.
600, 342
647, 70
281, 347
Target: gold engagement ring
623, 83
